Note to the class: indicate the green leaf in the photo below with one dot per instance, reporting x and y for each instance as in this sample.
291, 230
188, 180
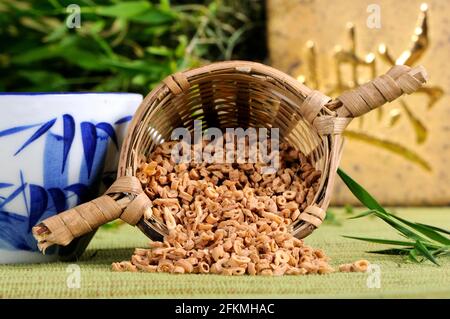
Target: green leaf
385, 216
360, 193
331, 219
153, 17
366, 199
426, 230
159, 50
164, 5
37, 54
56, 34
444, 251
413, 256
41, 81
33, 24
445, 231
391, 251
382, 241
37, 77
348, 209
235, 38
124, 9
425, 252
86, 59
180, 50
138, 66
112, 84
139, 79
112, 225
104, 45
364, 214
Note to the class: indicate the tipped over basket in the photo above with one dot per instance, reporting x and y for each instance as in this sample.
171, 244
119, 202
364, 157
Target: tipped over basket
225, 95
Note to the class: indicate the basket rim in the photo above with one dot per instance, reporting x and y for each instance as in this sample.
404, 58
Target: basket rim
321, 198
239, 65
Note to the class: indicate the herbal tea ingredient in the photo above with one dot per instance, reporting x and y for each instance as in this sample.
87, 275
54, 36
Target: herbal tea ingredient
227, 218
357, 266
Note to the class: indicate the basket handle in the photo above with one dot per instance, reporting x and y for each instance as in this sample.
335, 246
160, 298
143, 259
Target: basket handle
399, 80
177, 83
125, 199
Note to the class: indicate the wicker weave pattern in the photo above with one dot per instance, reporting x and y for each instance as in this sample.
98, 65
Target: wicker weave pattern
236, 94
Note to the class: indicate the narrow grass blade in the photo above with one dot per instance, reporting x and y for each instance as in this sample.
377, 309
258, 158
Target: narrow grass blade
363, 214
425, 252
359, 192
443, 251
385, 216
413, 256
425, 230
441, 230
424, 240
391, 251
382, 241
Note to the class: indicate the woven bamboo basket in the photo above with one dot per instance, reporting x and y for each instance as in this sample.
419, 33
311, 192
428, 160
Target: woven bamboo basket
224, 95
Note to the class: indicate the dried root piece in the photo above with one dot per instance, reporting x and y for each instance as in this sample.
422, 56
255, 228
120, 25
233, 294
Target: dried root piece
357, 266
228, 219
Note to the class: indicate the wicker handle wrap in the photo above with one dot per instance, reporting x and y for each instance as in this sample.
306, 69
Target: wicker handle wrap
61, 229
399, 80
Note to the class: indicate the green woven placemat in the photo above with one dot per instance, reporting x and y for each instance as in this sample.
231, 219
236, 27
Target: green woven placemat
398, 279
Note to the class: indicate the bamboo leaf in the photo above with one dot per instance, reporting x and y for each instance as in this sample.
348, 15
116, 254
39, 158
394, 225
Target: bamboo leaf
412, 255
445, 251
360, 193
425, 252
153, 17
13, 195
124, 9
438, 246
391, 251
38, 204
445, 231
331, 219
159, 50
69, 134
59, 199
124, 119
402, 229
89, 139
37, 54
42, 130
363, 214
110, 43
370, 202
108, 129
16, 129
382, 241
424, 229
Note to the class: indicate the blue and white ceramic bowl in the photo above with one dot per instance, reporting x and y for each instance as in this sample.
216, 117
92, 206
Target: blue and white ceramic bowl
56, 149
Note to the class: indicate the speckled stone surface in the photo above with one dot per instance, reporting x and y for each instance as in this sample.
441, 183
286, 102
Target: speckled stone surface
391, 178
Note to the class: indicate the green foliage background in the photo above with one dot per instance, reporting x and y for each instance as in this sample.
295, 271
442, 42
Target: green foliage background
121, 45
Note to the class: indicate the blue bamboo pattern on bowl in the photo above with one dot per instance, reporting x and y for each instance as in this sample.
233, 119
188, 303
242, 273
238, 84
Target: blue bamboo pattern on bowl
56, 194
